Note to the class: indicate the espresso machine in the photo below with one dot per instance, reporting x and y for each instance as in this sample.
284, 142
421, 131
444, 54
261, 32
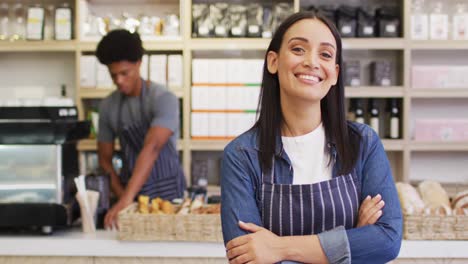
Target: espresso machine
37, 159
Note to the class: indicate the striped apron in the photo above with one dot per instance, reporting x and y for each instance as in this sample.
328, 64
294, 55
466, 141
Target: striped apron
166, 179
294, 210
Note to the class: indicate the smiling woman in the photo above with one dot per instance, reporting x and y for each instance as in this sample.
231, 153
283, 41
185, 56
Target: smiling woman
304, 184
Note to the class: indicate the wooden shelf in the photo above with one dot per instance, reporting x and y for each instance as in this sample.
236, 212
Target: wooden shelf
374, 91
218, 145
34, 46
153, 44
393, 144
262, 43
439, 93
439, 44
439, 146
91, 145
229, 44
208, 145
373, 43
99, 93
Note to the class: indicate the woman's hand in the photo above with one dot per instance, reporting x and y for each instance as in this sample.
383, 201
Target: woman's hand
370, 210
261, 246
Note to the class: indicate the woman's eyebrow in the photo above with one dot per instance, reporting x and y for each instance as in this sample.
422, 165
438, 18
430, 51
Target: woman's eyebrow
307, 41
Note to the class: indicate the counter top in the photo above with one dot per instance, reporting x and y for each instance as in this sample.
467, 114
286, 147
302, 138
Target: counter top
105, 244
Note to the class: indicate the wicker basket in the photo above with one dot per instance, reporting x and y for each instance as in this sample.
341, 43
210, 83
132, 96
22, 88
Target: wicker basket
159, 227
419, 227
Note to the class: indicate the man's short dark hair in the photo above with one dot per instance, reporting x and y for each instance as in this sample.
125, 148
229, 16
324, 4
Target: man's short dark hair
119, 45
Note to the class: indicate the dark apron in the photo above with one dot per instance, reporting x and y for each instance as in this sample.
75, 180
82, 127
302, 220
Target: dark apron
295, 210
166, 179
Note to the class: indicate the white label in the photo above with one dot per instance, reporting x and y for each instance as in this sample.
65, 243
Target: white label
419, 27
63, 25
35, 23
266, 34
236, 31
355, 82
368, 30
254, 29
346, 29
385, 82
394, 127
374, 123
203, 31
220, 30
446, 133
438, 26
360, 120
390, 28
459, 27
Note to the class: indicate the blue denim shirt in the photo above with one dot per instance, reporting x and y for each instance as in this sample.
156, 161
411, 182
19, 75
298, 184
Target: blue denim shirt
241, 178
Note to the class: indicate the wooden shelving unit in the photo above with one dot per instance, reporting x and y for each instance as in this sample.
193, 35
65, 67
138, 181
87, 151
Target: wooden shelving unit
188, 46
374, 91
91, 145
439, 44
38, 46
439, 93
102, 92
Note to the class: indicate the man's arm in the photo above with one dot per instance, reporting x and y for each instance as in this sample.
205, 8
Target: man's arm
105, 153
155, 139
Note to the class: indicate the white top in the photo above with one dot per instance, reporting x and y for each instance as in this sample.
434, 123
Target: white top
308, 157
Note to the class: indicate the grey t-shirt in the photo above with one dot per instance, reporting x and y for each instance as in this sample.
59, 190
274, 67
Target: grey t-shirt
161, 108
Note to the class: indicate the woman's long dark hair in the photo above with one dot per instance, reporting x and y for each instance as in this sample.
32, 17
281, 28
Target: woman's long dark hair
332, 105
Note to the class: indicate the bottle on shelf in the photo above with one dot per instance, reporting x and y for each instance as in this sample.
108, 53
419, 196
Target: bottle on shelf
438, 22
460, 22
419, 21
374, 115
49, 22
4, 21
63, 22
18, 25
63, 91
359, 111
35, 22
394, 119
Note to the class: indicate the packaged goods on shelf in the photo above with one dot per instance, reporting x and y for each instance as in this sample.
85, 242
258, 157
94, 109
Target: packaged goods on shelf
35, 23
438, 22
388, 22
441, 130
346, 21
175, 72
103, 79
88, 70
419, 21
63, 22
381, 73
144, 67
158, 68
352, 73
439, 76
225, 19
365, 24
254, 20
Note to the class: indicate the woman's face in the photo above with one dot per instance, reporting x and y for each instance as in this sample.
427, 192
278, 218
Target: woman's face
306, 63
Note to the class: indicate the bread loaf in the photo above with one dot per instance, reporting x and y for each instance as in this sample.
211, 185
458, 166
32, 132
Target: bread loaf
410, 200
433, 195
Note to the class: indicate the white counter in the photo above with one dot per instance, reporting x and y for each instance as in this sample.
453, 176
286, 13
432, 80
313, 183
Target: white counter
106, 244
